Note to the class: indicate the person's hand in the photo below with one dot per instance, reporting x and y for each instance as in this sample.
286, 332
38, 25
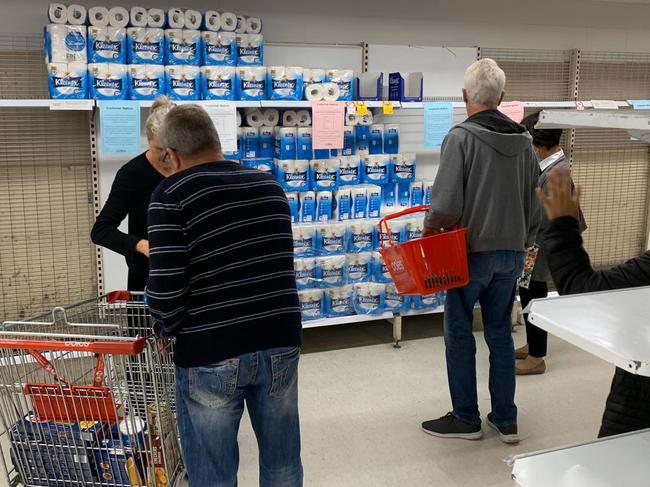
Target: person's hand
429, 231
143, 247
164, 347
561, 199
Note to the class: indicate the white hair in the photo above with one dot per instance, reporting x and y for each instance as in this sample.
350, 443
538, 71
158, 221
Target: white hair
484, 82
159, 109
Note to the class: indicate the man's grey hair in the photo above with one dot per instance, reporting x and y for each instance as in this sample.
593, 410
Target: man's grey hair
159, 109
484, 82
188, 129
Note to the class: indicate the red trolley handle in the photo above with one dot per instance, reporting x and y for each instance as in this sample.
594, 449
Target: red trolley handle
98, 376
383, 223
127, 347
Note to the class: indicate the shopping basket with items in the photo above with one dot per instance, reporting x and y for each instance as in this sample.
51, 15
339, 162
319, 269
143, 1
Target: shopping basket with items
425, 265
87, 398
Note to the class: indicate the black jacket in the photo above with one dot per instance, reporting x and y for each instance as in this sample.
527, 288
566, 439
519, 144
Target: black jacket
628, 405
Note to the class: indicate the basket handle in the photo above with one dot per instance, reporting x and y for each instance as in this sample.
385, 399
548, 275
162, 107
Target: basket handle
383, 223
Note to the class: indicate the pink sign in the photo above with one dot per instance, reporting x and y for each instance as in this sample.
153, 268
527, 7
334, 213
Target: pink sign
328, 119
513, 109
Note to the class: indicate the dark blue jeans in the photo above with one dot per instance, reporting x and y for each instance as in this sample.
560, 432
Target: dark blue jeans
493, 277
210, 403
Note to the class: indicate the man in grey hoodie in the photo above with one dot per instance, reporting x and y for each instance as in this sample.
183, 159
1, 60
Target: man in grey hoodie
486, 182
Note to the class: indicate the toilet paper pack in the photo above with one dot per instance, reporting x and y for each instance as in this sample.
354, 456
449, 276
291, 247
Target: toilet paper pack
338, 301
251, 142
368, 298
314, 75
77, 15
359, 267
250, 49
193, 19
156, 18
183, 46
146, 81
212, 21
322, 153
342, 210
402, 167
429, 301
138, 17
344, 78
264, 164
359, 202
285, 143
389, 198
98, 16
324, 174
108, 81
374, 201
65, 43
294, 203
118, 17
304, 240
219, 48
427, 187
375, 169
107, 45
293, 174
361, 236
145, 45
307, 272
403, 195
333, 270
267, 141
220, 83
349, 170
393, 300
254, 25
176, 18
348, 141
377, 139
413, 228
182, 82
330, 238
285, 83
391, 138
380, 269
228, 21
362, 139
398, 231
324, 206
416, 193
304, 143
67, 80
57, 13
311, 304
307, 206
251, 82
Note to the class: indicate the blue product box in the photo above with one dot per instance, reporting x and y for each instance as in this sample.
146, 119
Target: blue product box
250, 49
405, 86
183, 82
286, 143
146, 81
285, 83
251, 84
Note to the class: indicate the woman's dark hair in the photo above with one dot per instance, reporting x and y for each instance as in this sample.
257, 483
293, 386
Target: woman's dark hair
547, 138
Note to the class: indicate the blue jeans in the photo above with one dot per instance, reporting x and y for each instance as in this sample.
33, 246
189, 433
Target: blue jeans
210, 403
493, 277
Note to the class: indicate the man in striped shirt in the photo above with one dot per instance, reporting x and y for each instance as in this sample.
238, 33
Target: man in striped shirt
222, 283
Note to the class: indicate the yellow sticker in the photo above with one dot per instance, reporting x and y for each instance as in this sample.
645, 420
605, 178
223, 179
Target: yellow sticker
362, 108
388, 107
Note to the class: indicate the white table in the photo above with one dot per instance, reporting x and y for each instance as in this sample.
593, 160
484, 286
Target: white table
612, 325
611, 462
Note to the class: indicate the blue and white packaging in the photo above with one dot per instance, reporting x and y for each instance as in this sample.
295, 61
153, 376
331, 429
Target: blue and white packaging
333, 270
146, 81
344, 78
219, 48
393, 300
359, 201
368, 298
183, 82
349, 170
67, 80
391, 138
403, 196
324, 206
398, 230
251, 142
267, 141
251, 82
108, 81
304, 143
311, 304
250, 49
374, 201
314, 76
65, 43
324, 174
330, 239
304, 240
338, 301
361, 236
219, 83
375, 169
389, 198
106, 45
342, 205
307, 272
322, 153
416, 193
294, 206
413, 228
285, 83
264, 164
377, 138
293, 175
349, 144
145, 45
359, 267
285, 143
380, 269
402, 167
362, 139
308, 207
183, 46
427, 188
424, 302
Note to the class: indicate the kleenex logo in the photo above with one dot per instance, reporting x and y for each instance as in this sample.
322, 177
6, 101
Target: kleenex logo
219, 84
188, 84
152, 47
332, 241
376, 170
341, 303
295, 176
305, 274
109, 84
67, 82
145, 83
249, 51
114, 46
252, 85
349, 171
325, 176
224, 50
404, 169
310, 305
345, 88
284, 84
372, 300
188, 49
361, 238
302, 243
358, 269
329, 273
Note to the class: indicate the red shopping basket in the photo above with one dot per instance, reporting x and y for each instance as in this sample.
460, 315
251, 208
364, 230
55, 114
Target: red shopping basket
425, 265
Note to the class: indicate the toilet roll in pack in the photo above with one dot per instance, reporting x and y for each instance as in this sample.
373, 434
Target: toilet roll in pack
145, 45
285, 83
264, 164
107, 45
349, 143
324, 174
429, 301
307, 206
391, 139
361, 236
375, 169
342, 210
67, 80
293, 174
324, 206
389, 198
267, 141
333, 270
251, 82
304, 143
368, 298
65, 43
349, 170
376, 139
413, 228
307, 272
417, 195
362, 139
338, 301
219, 83
402, 167
393, 301
330, 238
344, 78
251, 142
359, 267
219, 48
380, 269
146, 81
427, 187
183, 47
311, 304
304, 240
183, 82
285, 143
108, 81
250, 49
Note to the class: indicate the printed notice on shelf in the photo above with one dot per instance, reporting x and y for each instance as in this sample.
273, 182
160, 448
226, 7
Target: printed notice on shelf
513, 109
119, 123
224, 117
640, 104
328, 120
604, 104
438, 118
72, 104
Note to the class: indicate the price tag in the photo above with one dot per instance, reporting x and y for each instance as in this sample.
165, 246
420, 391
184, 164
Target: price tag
351, 108
362, 108
72, 104
388, 107
604, 104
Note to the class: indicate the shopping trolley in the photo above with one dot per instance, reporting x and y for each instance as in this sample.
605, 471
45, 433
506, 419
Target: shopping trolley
87, 398
425, 265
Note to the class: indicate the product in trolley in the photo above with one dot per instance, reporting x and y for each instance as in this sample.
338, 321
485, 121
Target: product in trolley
164, 458
117, 465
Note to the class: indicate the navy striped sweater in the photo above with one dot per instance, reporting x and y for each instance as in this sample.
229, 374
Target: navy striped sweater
221, 276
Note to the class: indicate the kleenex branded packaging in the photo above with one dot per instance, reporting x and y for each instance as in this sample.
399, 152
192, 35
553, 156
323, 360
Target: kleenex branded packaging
324, 174
219, 48
145, 45
106, 45
362, 139
424, 302
413, 228
375, 169
403, 196
183, 46
374, 201
307, 207
359, 202
251, 142
333, 270
361, 236
304, 143
381, 272
416, 193
393, 300
65, 43
67, 80
377, 138
264, 164
338, 301
183, 82
349, 170
307, 272
285, 143
294, 206
324, 204
267, 141
368, 298
403, 168
108, 81
250, 49
427, 187
398, 230
359, 267
252, 82
293, 175
389, 198
219, 83
146, 81
311, 304
342, 205
344, 78
348, 141
304, 240
285, 83
391, 139
330, 239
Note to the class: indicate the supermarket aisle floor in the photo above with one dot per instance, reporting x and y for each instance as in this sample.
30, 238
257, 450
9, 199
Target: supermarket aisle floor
361, 409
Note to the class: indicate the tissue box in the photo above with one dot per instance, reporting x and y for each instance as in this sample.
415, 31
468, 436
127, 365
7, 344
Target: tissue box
370, 86
405, 86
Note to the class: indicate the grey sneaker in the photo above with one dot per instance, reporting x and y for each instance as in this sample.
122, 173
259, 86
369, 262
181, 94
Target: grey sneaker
449, 426
508, 434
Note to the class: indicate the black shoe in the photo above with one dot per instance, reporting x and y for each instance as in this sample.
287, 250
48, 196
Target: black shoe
450, 426
508, 434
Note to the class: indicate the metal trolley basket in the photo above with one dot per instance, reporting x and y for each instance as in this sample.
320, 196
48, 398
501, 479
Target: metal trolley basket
87, 398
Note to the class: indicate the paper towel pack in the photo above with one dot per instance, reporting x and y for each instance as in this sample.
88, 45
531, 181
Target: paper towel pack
285, 83
344, 78
65, 43
251, 82
146, 81
219, 48
145, 45
218, 83
107, 45
250, 49
183, 82
183, 46
108, 81
67, 80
